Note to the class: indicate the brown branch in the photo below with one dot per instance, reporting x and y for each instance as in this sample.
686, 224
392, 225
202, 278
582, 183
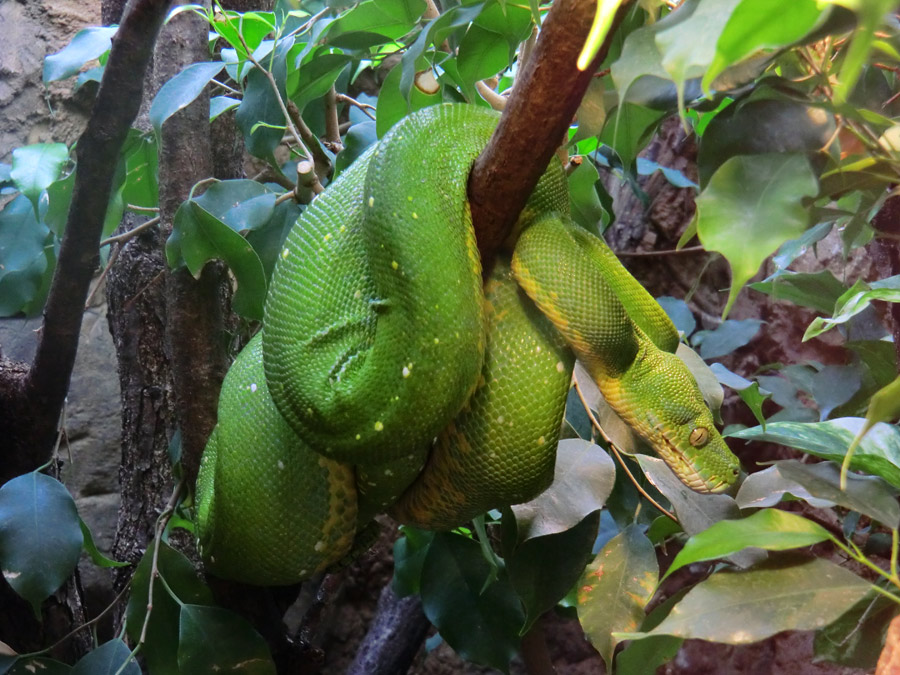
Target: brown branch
115, 109
332, 124
534, 122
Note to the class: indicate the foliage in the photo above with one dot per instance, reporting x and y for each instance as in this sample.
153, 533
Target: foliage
793, 107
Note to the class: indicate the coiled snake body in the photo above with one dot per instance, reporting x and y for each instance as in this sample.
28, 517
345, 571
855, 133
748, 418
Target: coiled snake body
382, 353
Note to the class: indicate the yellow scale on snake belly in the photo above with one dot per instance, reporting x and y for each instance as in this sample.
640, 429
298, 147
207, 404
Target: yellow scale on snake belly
382, 353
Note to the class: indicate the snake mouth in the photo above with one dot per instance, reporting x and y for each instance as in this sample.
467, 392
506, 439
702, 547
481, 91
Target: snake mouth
687, 471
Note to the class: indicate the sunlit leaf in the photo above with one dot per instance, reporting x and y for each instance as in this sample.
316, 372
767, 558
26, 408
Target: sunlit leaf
769, 529
614, 589
856, 299
745, 607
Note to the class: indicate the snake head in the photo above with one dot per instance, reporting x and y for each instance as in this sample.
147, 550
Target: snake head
659, 398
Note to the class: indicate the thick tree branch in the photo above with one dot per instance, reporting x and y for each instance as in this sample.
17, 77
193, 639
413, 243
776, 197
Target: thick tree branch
546, 95
44, 389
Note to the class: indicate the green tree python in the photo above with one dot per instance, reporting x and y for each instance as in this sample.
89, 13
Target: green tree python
387, 377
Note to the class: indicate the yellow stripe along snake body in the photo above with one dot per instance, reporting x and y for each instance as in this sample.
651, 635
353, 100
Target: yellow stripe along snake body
387, 378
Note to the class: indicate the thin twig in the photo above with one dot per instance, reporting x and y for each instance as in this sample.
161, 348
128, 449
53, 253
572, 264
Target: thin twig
316, 185
109, 263
659, 254
146, 209
125, 236
230, 90
365, 107
615, 450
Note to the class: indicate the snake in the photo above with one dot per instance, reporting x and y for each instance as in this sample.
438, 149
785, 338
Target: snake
388, 377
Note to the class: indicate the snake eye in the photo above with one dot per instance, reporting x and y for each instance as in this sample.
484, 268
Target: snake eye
699, 437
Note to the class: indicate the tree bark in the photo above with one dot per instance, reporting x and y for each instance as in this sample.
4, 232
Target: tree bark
546, 95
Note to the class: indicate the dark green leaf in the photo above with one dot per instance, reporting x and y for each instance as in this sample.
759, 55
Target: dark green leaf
59, 197
181, 90
393, 106
40, 538
409, 556
818, 291
22, 257
582, 481
481, 624
833, 386
879, 356
749, 392
391, 19
88, 44
744, 607
108, 659
615, 588
647, 655
35, 167
162, 630
482, 54
769, 529
587, 210
268, 240
198, 237
543, 569
260, 105
241, 204
628, 129
753, 204
313, 79
878, 453
359, 137
215, 640
857, 637
762, 126
141, 187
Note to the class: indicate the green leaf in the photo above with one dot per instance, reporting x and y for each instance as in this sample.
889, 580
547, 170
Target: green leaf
627, 131
646, 656
769, 529
455, 600
833, 386
259, 107
198, 237
857, 637
615, 588
91, 549
855, 300
818, 291
242, 204
749, 392
543, 569
751, 206
726, 338
640, 58
88, 44
878, 453
313, 79
59, 197
745, 607
141, 186
215, 640
108, 659
35, 167
879, 356
181, 90
583, 479
762, 24
268, 240
409, 556
22, 258
221, 104
482, 54
680, 313
40, 538
755, 127
683, 55
587, 210
163, 628
359, 137
391, 19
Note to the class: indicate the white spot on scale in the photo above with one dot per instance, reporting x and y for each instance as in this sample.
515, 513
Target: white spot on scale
358, 436
560, 367
415, 215
320, 546
285, 253
357, 295
379, 426
500, 419
538, 349
388, 472
405, 372
395, 264
437, 341
212, 559
541, 440
252, 387
281, 465
371, 202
